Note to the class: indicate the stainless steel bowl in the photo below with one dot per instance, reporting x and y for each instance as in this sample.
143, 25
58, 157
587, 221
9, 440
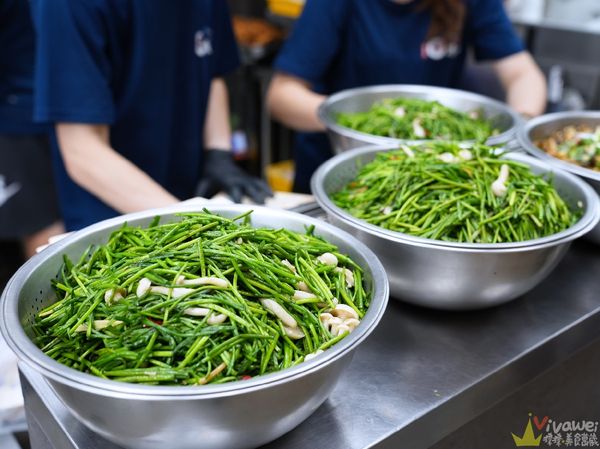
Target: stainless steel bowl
500, 115
449, 275
545, 125
241, 414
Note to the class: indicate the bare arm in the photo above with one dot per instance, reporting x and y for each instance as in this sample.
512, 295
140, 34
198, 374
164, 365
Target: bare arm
524, 83
94, 165
292, 102
217, 130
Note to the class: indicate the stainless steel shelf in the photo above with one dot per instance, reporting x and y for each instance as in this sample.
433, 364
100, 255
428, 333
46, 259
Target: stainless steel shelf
420, 376
555, 24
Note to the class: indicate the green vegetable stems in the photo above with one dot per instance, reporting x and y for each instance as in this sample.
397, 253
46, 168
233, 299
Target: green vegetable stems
444, 191
417, 119
202, 300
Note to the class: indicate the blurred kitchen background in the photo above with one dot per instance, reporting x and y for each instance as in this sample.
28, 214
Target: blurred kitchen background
563, 36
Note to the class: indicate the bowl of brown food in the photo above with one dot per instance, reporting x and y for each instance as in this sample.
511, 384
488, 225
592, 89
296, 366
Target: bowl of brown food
570, 141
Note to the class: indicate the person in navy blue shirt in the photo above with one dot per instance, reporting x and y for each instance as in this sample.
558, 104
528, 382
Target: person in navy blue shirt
341, 44
135, 89
28, 206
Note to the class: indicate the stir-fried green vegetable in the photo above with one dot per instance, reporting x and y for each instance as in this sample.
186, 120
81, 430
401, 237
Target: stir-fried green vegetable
415, 119
205, 299
579, 144
445, 192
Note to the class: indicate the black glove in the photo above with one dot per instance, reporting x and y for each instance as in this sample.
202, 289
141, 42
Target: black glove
220, 173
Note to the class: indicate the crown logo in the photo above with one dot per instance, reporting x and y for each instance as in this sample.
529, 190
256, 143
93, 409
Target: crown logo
528, 439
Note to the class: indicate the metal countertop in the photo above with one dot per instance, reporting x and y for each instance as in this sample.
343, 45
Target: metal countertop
421, 375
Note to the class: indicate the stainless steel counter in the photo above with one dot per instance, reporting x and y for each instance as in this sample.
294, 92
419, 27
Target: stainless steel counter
421, 375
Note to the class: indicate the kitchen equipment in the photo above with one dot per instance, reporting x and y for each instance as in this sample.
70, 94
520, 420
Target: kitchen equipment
545, 125
240, 414
360, 99
452, 275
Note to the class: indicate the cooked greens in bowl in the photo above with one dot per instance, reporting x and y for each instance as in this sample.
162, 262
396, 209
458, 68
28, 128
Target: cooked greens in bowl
206, 299
446, 191
418, 119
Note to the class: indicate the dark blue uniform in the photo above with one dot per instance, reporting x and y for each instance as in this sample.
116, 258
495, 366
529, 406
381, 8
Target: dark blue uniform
341, 44
143, 67
17, 45
27, 194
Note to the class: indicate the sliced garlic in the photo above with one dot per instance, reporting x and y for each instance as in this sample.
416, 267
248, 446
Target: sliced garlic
328, 259
301, 285
499, 187
202, 311
216, 319
348, 274
143, 287
325, 317
329, 320
207, 280
344, 311
99, 325
112, 296
279, 312
351, 323
179, 292
174, 292
196, 311
339, 329
288, 264
301, 295
294, 333
448, 158
465, 155
102, 324
418, 129
160, 290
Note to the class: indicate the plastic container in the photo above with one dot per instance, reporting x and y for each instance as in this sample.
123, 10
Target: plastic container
286, 8
280, 175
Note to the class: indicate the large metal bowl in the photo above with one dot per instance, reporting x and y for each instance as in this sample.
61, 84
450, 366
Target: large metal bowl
449, 275
240, 414
500, 115
545, 125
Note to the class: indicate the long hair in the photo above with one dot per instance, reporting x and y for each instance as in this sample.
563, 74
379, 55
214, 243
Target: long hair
447, 19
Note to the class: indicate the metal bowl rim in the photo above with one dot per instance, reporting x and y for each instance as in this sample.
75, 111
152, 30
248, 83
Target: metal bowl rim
323, 109
30, 354
589, 219
531, 148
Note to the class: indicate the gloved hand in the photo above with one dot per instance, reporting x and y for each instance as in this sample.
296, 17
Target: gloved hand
220, 173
